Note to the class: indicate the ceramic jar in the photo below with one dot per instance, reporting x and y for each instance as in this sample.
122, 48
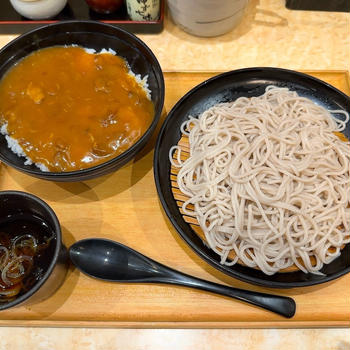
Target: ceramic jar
143, 10
207, 17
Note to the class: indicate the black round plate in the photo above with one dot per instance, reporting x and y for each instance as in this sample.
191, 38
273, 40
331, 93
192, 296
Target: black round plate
228, 87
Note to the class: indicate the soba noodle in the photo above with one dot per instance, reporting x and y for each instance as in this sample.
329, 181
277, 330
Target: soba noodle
269, 180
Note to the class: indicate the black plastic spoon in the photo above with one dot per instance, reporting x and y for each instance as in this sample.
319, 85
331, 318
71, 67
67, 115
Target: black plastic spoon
111, 261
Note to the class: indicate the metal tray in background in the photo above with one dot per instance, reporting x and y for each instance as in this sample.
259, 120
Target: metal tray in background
13, 23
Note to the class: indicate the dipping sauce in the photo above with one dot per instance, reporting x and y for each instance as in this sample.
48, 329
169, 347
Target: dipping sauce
69, 109
26, 249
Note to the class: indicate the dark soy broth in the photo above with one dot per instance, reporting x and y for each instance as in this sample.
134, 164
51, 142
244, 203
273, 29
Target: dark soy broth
11, 228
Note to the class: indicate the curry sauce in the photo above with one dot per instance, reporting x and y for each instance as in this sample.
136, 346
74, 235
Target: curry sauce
70, 109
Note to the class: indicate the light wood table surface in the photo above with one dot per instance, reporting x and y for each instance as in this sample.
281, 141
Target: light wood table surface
269, 35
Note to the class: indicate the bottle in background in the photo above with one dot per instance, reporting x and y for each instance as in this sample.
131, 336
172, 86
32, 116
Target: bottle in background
143, 10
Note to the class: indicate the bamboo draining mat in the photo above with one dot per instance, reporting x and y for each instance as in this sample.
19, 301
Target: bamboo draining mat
124, 206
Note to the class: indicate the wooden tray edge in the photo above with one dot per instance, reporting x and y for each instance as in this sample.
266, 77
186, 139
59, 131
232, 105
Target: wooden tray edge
175, 325
306, 71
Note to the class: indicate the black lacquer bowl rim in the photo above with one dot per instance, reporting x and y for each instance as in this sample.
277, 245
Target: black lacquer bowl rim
241, 82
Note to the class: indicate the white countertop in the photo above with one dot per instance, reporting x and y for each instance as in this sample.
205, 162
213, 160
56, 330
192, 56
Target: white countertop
179, 339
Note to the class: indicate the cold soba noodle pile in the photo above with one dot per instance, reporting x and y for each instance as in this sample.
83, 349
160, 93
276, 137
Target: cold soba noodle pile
268, 179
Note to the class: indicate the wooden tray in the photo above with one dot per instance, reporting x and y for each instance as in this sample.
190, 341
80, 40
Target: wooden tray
124, 206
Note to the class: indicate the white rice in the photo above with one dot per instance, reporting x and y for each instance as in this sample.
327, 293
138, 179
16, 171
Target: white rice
142, 82
15, 146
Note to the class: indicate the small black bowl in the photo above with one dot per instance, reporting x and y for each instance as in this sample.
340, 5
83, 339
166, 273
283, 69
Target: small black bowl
224, 88
95, 35
21, 207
